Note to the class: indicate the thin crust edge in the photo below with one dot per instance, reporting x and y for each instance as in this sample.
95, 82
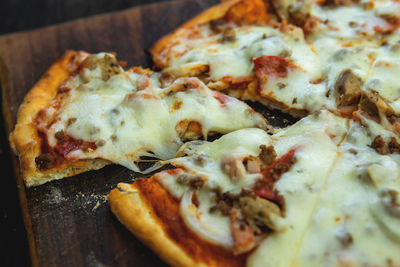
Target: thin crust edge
207, 15
129, 206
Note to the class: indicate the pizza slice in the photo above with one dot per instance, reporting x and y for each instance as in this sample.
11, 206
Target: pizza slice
87, 111
240, 199
294, 57
252, 56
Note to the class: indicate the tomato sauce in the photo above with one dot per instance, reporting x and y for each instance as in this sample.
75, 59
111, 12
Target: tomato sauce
166, 209
272, 173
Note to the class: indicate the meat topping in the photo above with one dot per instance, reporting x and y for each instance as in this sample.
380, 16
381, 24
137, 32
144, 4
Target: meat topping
45, 161
345, 238
384, 148
379, 145
243, 235
394, 147
108, 66
339, 2
369, 103
60, 136
267, 155
348, 89
259, 212
188, 130
220, 25
194, 181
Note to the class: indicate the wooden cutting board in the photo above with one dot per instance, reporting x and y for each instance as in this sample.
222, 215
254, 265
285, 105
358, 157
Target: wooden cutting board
68, 222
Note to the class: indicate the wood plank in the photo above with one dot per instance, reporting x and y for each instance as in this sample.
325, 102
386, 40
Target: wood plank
68, 221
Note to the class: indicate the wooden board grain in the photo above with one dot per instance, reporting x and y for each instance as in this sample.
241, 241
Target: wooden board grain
68, 222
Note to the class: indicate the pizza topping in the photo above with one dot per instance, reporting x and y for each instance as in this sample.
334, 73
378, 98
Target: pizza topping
45, 161
243, 235
392, 23
267, 155
108, 67
345, 238
223, 205
193, 181
348, 89
188, 130
385, 148
220, 25
260, 212
373, 104
300, 15
338, 2
228, 37
271, 66
379, 145
252, 164
391, 201
271, 174
60, 136
234, 168
226, 30
251, 218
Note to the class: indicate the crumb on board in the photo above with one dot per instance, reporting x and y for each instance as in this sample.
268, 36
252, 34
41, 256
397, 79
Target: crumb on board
55, 197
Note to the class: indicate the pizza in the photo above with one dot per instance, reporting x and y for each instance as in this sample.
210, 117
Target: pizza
87, 111
324, 191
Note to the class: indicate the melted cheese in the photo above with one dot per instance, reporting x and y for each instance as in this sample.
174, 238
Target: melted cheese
237, 144
251, 42
350, 225
316, 156
206, 159
126, 123
354, 21
344, 216
334, 126
311, 137
383, 76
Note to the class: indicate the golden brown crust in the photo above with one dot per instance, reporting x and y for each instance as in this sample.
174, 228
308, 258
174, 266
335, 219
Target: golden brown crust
137, 216
25, 140
212, 13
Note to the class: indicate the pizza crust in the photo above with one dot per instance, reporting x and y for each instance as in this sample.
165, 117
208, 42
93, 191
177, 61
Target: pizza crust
209, 14
25, 141
131, 209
